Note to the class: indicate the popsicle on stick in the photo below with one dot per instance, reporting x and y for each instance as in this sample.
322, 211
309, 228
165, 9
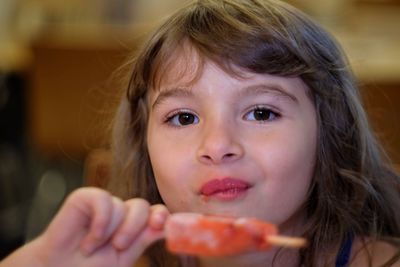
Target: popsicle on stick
199, 235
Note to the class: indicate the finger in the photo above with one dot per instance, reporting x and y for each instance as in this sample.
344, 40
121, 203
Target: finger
97, 204
85, 212
158, 216
147, 237
117, 214
135, 221
153, 231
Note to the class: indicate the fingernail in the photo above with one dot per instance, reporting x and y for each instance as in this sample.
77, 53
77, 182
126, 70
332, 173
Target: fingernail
157, 221
98, 233
121, 241
87, 248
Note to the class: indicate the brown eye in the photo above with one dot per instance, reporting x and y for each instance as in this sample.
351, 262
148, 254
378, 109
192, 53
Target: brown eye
183, 119
261, 114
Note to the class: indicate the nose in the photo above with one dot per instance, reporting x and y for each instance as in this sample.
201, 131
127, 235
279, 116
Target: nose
219, 144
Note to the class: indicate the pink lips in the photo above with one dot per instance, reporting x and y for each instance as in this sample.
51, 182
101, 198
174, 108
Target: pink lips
225, 189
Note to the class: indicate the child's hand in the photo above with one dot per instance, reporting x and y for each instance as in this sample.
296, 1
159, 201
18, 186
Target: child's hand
95, 229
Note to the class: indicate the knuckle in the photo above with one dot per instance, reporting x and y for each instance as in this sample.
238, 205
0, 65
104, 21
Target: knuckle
138, 203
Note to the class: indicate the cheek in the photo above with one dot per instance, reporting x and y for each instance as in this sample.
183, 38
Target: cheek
174, 193
169, 185
288, 170
286, 188
171, 175
291, 150
298, 161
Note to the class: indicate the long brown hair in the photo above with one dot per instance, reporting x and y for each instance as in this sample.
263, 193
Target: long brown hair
354, 190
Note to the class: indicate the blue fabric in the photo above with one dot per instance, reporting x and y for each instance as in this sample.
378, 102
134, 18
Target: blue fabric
343, 257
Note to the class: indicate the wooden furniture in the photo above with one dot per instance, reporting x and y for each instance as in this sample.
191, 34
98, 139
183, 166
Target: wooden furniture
73, 93
382, 102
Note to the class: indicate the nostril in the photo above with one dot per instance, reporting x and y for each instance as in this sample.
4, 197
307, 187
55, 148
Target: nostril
219, 154
229, 155
206, 157
224, 157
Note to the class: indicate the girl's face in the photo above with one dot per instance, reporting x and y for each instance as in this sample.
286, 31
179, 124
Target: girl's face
232, 146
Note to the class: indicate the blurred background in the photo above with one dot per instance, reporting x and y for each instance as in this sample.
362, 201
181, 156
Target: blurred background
60, 84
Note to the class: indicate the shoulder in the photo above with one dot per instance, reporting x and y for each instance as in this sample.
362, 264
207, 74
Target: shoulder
377, 253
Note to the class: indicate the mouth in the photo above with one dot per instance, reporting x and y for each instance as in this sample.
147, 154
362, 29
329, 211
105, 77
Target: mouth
224, 189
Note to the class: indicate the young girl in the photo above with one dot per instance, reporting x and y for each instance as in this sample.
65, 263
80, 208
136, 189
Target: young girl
236, 108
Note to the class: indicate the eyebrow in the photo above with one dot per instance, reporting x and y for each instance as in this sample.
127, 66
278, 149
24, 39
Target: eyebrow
180, 92
260, 89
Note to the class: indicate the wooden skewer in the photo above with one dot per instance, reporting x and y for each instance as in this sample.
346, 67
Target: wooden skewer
285, 241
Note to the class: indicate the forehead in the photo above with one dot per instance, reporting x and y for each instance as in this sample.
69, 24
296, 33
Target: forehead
181, 64
212, 77
185, 66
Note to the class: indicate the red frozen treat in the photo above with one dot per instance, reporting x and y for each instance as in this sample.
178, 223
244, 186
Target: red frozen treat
195, 234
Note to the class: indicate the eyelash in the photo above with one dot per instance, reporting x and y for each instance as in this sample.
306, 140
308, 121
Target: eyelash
170, 117
174, 115
276, 115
